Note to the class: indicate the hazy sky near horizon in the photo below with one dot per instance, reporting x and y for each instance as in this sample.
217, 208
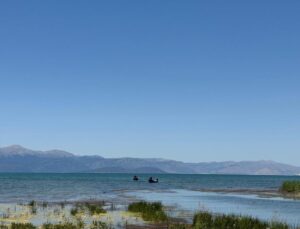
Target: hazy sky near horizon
185, 80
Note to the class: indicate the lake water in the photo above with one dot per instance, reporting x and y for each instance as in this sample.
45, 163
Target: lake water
173, 189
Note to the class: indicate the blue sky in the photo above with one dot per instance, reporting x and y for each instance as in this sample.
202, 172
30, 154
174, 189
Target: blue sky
185, 80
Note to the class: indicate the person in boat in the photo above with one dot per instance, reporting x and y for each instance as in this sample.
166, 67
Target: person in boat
135, 178
151, 180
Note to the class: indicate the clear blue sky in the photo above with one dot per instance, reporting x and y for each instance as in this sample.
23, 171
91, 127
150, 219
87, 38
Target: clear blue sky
185, 80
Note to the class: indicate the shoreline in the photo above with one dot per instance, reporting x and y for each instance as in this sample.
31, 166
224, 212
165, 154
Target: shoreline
40, 214
179, 208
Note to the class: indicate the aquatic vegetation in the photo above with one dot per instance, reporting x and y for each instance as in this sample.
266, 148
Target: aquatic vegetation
32, 203
66, 225
152, 212
80, 224
92, 208
45, 204
149, 211
112, 207
180, 226
292, 187
74, 211
22, 226
206, 220
99, 225
275, 225
33, 210
203, 220
62, 205
95, 208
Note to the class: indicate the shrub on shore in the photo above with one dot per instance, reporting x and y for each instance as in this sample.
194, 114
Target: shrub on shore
206, 220
291, 187
149, 211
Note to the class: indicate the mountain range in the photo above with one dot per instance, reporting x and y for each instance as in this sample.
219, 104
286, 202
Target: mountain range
16, 158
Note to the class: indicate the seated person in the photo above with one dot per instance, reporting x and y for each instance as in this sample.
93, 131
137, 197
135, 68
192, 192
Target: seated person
135, 178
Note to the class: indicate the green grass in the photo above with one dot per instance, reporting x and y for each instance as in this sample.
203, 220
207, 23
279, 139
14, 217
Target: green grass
99, 225
66, 225
22, 226
292, 187
206, 220
92, 208
74, 211
179, 226
154, 212
149, 211
79, 225
95, 208
202, 220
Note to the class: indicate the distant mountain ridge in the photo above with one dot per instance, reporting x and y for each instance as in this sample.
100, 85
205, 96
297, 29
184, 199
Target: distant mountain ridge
20, 150
19, 159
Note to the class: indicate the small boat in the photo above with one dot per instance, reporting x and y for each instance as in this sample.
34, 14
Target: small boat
135, 178
150, 180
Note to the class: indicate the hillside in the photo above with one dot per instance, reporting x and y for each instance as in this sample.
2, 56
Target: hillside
19, 159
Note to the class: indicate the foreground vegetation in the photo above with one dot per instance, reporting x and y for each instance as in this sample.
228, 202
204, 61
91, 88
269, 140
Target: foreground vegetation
202, 220
149, 211
92, 208
79, 225
291, 187
154, 215
66, 225
95, 209
206, 220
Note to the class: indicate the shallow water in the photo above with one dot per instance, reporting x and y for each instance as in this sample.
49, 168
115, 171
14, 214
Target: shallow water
279, 209
172, 189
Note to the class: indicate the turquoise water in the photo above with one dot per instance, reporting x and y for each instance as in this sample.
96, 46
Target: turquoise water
180, 190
